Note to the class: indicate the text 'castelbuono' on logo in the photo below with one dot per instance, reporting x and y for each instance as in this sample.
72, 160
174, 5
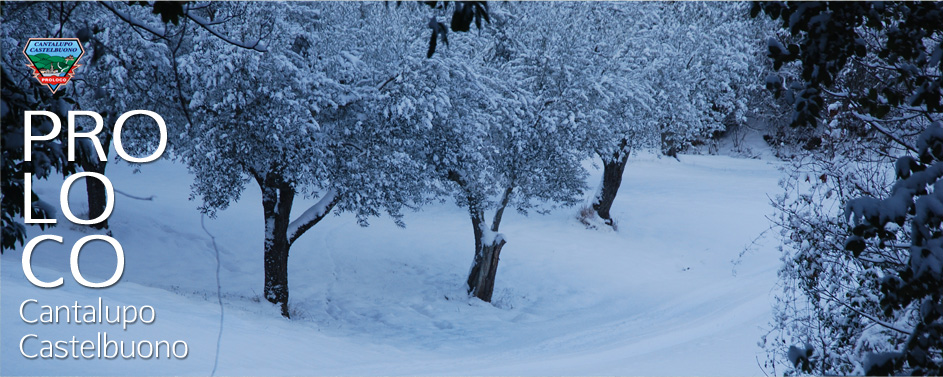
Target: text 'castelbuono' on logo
53, 59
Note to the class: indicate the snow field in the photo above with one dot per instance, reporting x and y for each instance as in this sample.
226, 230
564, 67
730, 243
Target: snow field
657, 297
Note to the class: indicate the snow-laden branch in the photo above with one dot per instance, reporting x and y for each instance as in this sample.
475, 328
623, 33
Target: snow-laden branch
313, 215
873, 122
389, 80
863, 314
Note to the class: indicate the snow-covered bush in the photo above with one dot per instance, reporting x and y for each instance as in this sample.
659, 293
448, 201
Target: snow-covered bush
828, 303
857, 295
911, 293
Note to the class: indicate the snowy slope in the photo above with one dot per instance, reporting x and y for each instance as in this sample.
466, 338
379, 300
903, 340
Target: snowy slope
658, 297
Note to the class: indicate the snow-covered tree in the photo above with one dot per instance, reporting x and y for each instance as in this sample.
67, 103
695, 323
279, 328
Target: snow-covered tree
128, 64
912, 290
638, 75
298, 120
586, 74
20, 93
48, 156
492, 144
121, 74
827, 302
698, 65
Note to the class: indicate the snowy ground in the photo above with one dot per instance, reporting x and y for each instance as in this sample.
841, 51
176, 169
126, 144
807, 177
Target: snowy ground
658, 297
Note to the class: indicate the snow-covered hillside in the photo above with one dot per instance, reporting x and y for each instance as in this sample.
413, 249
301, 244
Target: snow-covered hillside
660, 296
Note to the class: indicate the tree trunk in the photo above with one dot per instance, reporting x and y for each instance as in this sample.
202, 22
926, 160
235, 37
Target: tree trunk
613, 168
281, 232
277, 197
485, 266
669, 146
95, 189
487, 251
474, 275
481, 283
97, 196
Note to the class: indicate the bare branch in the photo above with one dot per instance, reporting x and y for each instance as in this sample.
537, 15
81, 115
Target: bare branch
207, 25
131, 20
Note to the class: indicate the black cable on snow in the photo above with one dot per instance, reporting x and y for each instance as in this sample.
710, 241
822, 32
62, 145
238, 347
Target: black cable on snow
219, 297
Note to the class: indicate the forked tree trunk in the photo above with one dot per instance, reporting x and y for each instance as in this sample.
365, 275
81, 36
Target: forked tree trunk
484, 268
613, 168
281, 232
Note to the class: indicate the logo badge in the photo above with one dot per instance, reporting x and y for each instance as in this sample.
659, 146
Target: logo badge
53, 59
